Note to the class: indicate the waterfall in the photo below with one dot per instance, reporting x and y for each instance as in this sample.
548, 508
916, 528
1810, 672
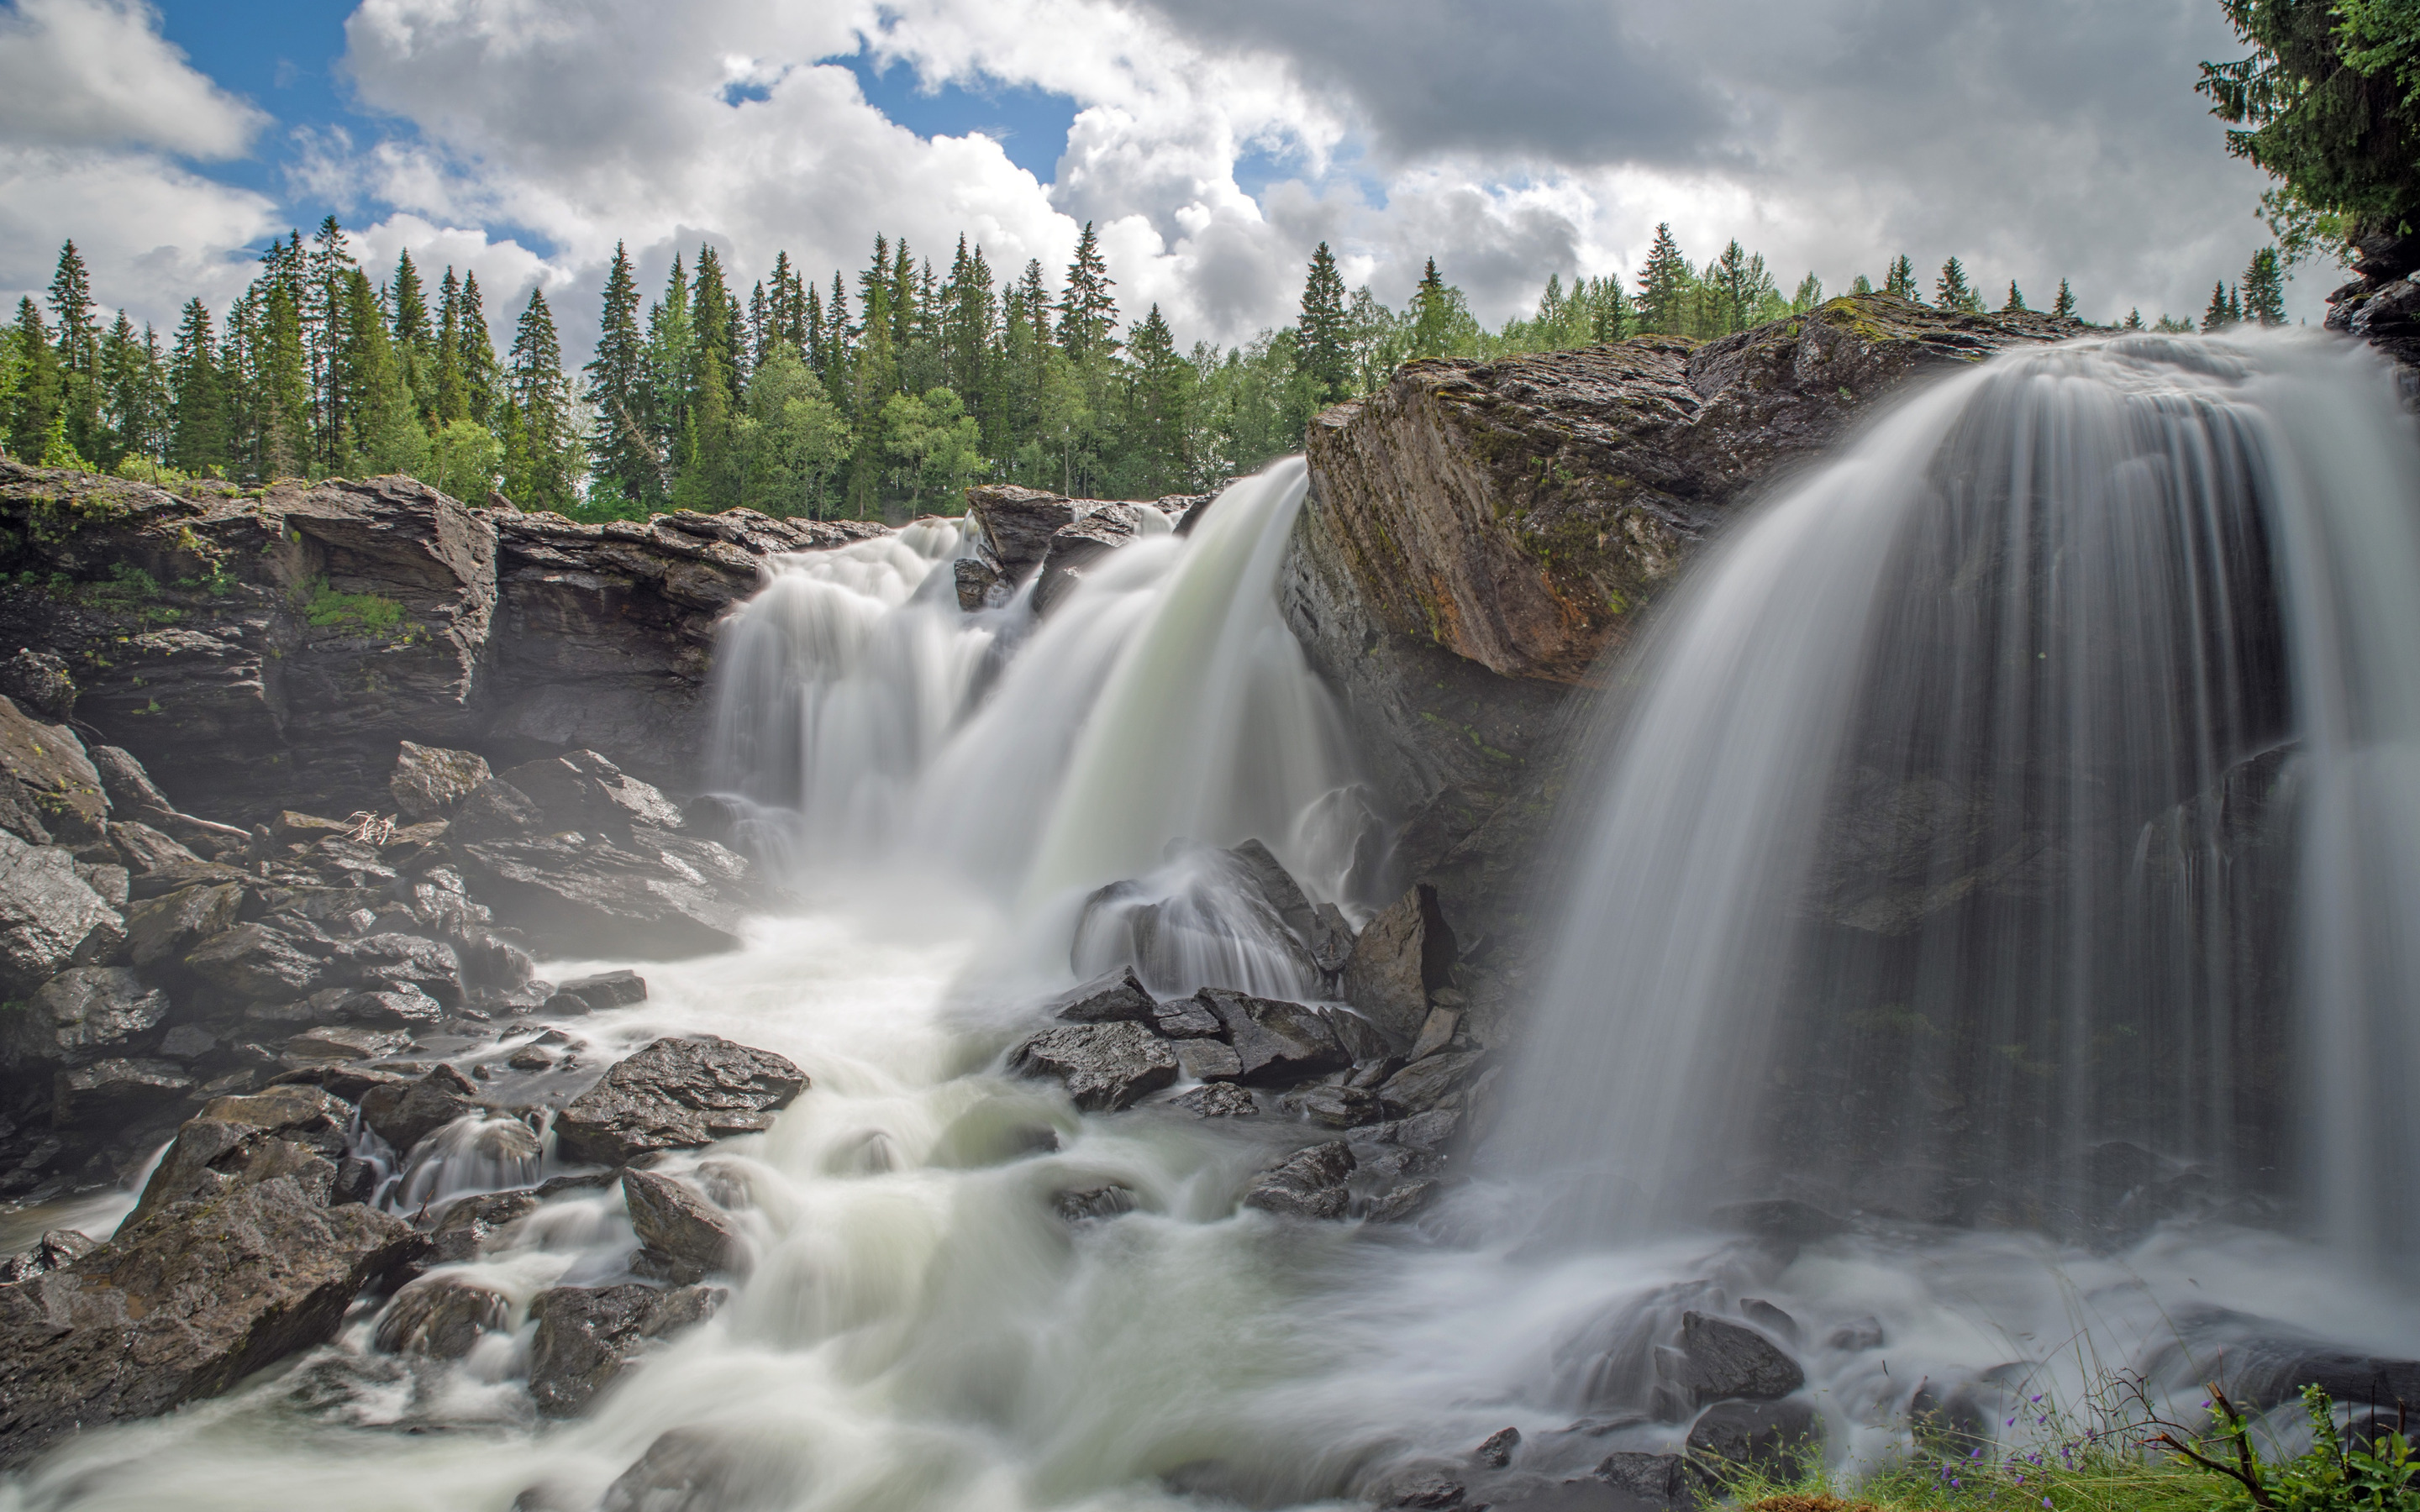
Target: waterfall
1996, 815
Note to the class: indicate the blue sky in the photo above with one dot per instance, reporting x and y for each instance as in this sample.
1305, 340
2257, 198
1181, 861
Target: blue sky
1212, 142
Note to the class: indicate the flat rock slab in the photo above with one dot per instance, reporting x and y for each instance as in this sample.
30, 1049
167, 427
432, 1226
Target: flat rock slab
676, 1094
184, 1306
1105, 1067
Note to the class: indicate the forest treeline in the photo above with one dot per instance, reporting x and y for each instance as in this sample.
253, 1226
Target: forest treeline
883, 393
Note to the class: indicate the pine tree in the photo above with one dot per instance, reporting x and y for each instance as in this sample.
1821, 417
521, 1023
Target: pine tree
1157, 410
1664, 285
1609, 314
415, 344
453, 384
1320, 349
1950, 291
2016, 302
625, 468
197, 426
1430, 338
383, 432
540, 397
281, 377
2264, 288
1087, 311
1809, 295
321, 307
1860, 285
2134, 318
2220, 313
1900, 281
2064, 306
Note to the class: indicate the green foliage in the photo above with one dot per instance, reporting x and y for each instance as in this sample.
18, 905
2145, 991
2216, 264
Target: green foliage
1951, 291
465, 459
362, 613
1899, 281
2264, 288
2331, 1475
2329, 104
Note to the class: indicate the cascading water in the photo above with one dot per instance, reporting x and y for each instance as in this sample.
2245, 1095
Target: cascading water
2005, 810
916, 1327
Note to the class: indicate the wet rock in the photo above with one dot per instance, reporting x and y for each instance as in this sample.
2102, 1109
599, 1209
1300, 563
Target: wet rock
1208, 1060
1658, 1480
1092, 1203
1116, 997
1217, 1099
1402, 1203
1187, 1018
1018, 524
587, 1335
652, 893
342, 1041
1279, 1042
462, 1234
149, 852
197, 1297
1105, 1067
49, 792
117, 1090
709, 1470
1771, 1318
57, 1248
1720, 1359
1426, 1483
1402, 955
441, 1317
256, 963
1436, 1032
606, 989
50, 918
1075, 547
430, 783
978, 583
1572, 1496
296, 1132
1308, 1183
1496, 1450
1363, 1040
79, 1016
357, 1180
1426, 1085
676, 1094
113, 883
403, 1114
1776, 1439
383, 962
406, 1008
678, 1223
1862, 1334
39, 685
163, 927
1336, 1107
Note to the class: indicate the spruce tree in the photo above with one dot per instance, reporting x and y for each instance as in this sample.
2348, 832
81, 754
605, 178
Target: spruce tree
2016, 301
2064, 306
479, 375
321, 307
1320, 349
453, 384
1609, 314
197, 426
1951, 291
2134, 318
383, 430
1809, 295
2264, 288
1157, 410
416, 343
1860, 285
622, 457
79, 352
1664, 285
1087, 311
1899, 280
2219, 316
540, 397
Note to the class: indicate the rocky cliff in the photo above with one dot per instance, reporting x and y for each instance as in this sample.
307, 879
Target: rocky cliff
268, 650
1479, 533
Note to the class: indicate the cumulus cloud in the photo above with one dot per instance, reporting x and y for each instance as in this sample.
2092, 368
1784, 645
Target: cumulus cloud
98, 73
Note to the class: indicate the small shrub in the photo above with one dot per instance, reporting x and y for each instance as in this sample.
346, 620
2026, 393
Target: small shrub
366, 613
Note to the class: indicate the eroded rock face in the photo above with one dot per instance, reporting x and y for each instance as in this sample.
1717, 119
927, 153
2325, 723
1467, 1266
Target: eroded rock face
676, 1094
49, 917
183, 1305
80, 1015
1479, 533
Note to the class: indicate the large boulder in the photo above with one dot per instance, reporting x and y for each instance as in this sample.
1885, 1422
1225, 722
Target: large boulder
1402, 956
291, 1131
181, 1304
430, 783
1720, 1359
1308, 1183
49, 917
1105, 1067
49, 791
1276, 1042
258, 963
79, 1016
442, 1316
586, 1336
678, 1225
1075, 547
405, 1113
1018, 524
676, 1094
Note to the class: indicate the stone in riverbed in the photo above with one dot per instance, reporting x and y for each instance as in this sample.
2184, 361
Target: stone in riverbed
1109, 999
119, 1089
1217, 1099
57, 1248
183, 1305
676, 1094
1279, 1042
1726, 1359
709, 1470
80, 1015
158, 929
441, 1317
1208, 1060
50, 918
404, 1114
1338, 1107
1105, 1067
255, 962
1774, 1437
295, 1132
463, 1233
594, 995
676, 1222
1308, 1183
586, 1336
656, 895
1434, 1083
1402, 956
1658, 1480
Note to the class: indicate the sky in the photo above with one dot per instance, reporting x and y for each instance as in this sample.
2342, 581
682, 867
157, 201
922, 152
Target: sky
1213, 143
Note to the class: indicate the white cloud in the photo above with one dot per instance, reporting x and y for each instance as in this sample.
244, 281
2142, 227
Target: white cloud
98, 73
